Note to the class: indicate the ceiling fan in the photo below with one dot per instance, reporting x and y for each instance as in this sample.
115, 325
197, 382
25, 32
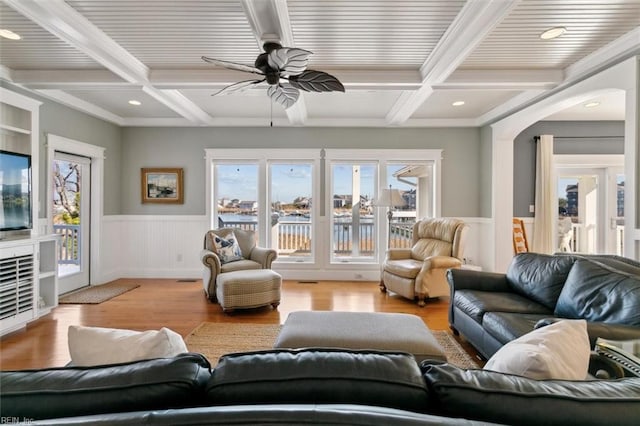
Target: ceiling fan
285, 71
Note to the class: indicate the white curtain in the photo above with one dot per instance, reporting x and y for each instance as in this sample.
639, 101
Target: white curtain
543, 241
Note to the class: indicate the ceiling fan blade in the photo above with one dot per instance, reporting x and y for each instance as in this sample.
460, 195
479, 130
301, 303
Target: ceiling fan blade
289, 60
284, 94
232, 65
238, 87
316, 81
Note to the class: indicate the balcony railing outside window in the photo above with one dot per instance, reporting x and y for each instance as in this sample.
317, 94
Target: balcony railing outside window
294, 238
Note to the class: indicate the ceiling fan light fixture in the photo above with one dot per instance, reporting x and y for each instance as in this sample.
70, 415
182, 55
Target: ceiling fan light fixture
9, 34
591, 104
457, 103
552, 33
284, 70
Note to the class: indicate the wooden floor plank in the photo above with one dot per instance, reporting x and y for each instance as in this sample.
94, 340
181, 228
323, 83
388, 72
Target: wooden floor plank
181, 306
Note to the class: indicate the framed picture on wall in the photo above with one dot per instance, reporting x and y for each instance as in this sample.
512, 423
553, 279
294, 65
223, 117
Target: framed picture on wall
162, 185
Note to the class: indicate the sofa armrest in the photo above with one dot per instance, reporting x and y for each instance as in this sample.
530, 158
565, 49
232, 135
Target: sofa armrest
441, 262
509, 399
466, 279
210, 260
264, 256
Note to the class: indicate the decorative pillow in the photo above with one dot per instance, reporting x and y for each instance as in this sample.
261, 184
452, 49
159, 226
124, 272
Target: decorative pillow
557, 351
227, 247
98, 346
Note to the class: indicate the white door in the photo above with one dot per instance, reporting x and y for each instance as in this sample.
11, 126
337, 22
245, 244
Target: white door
590, 210
71, 198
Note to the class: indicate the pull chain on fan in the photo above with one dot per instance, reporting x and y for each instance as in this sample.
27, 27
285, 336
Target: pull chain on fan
285, 71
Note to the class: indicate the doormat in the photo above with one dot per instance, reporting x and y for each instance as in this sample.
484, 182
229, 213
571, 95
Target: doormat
213, 340
97, 294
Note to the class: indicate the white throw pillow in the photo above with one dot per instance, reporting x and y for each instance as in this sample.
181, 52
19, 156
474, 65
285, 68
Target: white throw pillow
98, 346
558, 351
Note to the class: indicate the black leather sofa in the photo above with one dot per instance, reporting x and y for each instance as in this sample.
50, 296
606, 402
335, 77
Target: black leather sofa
491, 309
311, 386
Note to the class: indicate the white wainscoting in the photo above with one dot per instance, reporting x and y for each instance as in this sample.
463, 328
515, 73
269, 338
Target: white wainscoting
149, 246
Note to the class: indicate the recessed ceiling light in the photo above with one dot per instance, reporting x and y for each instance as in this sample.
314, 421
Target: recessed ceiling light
552, 33
458, 103
591, 104
9, 34
134, 102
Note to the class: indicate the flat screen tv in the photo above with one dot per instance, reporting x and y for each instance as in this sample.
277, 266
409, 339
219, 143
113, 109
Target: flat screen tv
15, 186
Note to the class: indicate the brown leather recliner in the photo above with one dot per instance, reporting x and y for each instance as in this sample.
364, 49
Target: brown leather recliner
419, 272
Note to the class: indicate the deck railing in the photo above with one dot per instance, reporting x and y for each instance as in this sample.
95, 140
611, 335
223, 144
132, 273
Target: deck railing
70, 244
295, 237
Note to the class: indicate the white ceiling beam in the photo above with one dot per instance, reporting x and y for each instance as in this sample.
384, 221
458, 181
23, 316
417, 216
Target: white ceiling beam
474, 22
64, 22
87, 107
269, 20
502, 79
203, 78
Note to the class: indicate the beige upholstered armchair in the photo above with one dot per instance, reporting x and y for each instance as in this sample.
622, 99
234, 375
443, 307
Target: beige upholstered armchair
419, 271
216, 262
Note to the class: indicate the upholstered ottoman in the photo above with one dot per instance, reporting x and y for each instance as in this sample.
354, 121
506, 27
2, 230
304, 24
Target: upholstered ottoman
360, 330
250, 288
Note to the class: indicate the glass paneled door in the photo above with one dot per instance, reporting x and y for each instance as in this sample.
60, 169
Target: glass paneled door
353, 233
71, 218
590, 211
292, 218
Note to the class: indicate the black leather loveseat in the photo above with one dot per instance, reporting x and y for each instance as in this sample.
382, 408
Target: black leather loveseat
313, 387
491, 309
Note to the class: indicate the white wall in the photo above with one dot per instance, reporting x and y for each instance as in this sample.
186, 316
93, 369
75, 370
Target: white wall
145, 246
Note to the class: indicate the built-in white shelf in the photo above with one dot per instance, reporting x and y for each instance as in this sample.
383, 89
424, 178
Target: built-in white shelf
7, 128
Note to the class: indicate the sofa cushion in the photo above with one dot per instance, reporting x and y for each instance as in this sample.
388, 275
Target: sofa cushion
557, 351
539, 276
476, 303
599, 293
318, 376
76, 391
98, 345
507, 326
509, 399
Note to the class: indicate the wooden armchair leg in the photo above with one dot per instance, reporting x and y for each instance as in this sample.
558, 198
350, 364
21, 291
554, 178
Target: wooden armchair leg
383, 288
421, 299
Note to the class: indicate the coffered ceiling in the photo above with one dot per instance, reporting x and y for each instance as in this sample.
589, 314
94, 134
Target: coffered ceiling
403, 63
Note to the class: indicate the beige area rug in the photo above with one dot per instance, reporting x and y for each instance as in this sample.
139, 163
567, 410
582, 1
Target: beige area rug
97, 294
213, 340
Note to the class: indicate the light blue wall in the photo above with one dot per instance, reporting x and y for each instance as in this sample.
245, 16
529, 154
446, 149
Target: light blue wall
184, 147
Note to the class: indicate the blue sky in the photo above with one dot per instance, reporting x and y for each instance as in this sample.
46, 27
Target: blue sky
292, 180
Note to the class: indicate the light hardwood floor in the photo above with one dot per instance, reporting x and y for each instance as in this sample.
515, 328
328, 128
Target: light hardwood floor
181, 306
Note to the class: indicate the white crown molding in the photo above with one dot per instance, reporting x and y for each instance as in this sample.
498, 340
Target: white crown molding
468, 29
76, 103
